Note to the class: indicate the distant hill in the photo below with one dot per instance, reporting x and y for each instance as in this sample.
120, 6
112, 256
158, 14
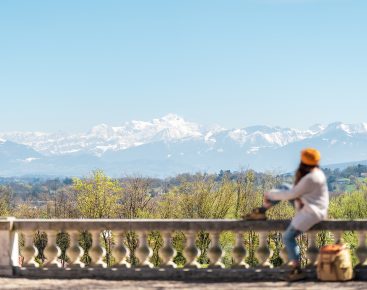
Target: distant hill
343, 166
171, 145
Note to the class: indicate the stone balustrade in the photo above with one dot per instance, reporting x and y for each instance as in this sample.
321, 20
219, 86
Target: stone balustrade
10, 228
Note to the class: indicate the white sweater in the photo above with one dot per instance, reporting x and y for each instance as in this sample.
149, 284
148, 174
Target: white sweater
313, 192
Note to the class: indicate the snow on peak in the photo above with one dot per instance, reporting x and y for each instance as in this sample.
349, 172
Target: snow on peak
135, 133
102, 131
317, 128
169, 127
210, 133
347, 128
238, 135
172, 128
359, 128
172, 118
102, 138
265, 136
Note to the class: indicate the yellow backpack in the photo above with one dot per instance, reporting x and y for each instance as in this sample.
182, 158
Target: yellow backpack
334, 263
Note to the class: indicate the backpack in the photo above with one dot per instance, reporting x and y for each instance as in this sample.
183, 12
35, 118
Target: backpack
334, 263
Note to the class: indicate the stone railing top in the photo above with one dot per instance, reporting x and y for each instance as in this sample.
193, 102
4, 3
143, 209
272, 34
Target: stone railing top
210, 225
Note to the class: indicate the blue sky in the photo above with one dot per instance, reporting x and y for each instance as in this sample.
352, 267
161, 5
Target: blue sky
68, 65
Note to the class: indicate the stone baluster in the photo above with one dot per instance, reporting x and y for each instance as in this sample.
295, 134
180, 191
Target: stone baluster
97, 252
312, 251
75, 252
215, 252
337, 237
264, 253
52, 251
284, 256
29, 252
144, 252
191, 252
120, 252
9, 251
167, 252
361, 251
239, 252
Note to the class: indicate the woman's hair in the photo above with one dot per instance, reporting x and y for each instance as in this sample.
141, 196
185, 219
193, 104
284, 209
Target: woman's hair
302, 171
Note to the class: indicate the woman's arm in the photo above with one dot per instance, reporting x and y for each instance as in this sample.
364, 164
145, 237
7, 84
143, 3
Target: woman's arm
303, 186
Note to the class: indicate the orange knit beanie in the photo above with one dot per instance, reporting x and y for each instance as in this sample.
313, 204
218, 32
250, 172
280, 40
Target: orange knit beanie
310, 156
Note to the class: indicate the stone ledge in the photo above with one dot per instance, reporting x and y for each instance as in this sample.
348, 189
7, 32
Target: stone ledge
198, 275
219, 225
6, 271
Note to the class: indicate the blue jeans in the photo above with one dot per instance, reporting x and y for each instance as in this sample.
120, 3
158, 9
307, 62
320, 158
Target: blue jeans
289, 238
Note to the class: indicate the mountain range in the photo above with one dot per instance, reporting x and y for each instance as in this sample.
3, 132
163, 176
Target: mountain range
171, 145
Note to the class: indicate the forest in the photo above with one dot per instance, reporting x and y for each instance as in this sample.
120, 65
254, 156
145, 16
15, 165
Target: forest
226, 195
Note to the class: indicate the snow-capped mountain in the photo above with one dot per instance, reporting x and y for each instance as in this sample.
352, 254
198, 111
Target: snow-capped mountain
171, 145
102, 138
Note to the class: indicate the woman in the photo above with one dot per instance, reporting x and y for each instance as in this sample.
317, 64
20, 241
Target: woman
311, 197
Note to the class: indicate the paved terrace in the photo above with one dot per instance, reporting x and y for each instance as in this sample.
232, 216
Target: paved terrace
54, 284
167, 275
